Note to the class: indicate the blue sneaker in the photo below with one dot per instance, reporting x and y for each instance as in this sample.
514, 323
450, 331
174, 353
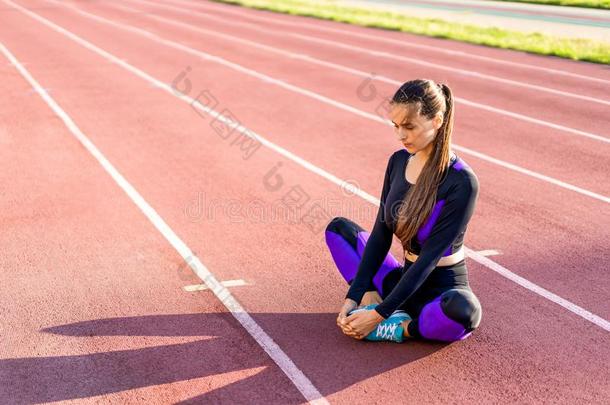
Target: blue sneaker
390, 329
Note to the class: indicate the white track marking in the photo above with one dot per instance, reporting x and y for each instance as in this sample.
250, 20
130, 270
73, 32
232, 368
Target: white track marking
503, 271
265, 341
533, 174
410, 60
203, 287
490, 264
360, 73
33, 91
334, 103
488, 253
404, 43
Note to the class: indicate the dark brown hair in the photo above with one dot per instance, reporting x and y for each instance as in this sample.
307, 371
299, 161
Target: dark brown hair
430, 99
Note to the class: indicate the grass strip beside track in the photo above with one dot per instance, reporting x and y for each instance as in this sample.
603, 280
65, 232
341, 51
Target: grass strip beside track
570, 48
568, 3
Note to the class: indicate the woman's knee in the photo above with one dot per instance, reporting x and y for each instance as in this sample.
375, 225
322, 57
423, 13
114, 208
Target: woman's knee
343, 226
342, 241
451, 316
343, 229
462, 306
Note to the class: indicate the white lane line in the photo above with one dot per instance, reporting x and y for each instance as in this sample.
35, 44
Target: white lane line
265, 341
246, 12
33, 92
334, 103
488, 252
203, 287
533, 174
418, 62
602, 323
503, 271
356, 72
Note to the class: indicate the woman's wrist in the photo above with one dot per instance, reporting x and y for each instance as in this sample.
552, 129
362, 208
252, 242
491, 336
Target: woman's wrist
381, 317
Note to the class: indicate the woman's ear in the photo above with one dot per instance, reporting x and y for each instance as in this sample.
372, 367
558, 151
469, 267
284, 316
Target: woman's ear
438, 120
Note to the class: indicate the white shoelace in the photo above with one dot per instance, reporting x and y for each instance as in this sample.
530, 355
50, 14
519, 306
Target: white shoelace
386, 331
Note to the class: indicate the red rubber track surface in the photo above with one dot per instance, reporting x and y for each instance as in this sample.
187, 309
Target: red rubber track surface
91, 294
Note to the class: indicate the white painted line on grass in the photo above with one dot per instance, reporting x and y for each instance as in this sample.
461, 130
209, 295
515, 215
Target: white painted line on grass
602, 323
265, 341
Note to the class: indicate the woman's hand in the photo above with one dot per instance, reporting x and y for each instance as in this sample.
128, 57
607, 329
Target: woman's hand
347, 307
362, 323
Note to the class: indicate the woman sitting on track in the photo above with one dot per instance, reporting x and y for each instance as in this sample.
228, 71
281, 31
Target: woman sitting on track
428, 197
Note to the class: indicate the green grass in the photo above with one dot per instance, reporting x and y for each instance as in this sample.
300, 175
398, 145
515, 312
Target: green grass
569, 3
576, 49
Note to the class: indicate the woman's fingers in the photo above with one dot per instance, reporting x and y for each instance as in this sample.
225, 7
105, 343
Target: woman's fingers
343, 320
343, 325
349, 319
354, 335
347, 329
351, 332
353, 329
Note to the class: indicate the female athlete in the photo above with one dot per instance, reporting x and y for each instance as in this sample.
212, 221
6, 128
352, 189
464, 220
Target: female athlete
428, 197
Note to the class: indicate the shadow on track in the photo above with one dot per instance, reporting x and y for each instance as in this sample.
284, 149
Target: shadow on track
313, 341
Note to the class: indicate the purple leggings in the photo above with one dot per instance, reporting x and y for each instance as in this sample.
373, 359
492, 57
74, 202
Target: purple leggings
447, 313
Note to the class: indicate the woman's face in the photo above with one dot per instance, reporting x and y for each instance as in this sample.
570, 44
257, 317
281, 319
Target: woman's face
414, 131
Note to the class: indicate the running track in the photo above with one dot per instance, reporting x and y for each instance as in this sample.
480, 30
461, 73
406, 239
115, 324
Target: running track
93, 302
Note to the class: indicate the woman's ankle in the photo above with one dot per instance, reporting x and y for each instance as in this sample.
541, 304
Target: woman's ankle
371, 297
405, 327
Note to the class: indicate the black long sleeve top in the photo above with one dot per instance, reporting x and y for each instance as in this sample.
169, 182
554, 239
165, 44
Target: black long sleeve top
441, 235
